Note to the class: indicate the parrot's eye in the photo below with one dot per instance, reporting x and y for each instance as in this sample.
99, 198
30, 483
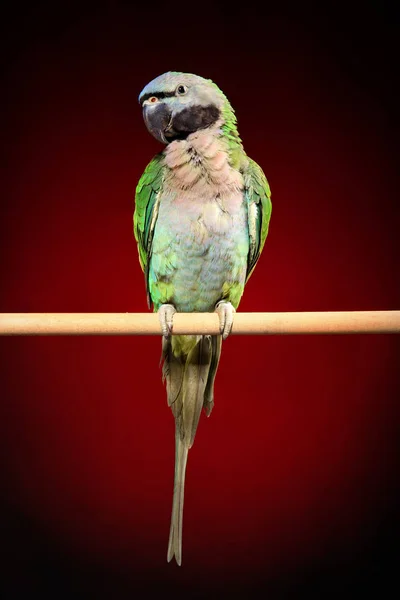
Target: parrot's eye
152, 100
181, 90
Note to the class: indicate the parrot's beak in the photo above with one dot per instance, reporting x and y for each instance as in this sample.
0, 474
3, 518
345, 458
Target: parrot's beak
157, 119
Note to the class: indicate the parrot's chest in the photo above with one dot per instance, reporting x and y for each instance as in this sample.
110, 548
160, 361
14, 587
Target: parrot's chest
201, 240
196, 225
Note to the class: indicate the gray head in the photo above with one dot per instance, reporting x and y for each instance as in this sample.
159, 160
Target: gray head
178, 104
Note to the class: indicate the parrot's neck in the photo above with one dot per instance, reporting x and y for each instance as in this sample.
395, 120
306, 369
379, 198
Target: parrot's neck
204, 159
210, 149
231, 136
228, 125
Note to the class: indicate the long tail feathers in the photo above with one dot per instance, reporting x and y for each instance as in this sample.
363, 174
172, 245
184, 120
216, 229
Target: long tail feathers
190, 379
195, 378
175, 532
216, 346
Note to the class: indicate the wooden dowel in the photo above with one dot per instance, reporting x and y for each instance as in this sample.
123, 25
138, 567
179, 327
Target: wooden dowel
200, 323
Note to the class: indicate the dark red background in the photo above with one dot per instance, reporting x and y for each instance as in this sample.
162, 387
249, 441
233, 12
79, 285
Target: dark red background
292, 483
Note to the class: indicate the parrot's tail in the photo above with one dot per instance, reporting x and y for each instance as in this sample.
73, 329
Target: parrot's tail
190, 366
175, 532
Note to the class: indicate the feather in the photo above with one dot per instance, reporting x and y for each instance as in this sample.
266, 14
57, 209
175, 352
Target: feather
216, 346
258, 198
186, 376
175, 533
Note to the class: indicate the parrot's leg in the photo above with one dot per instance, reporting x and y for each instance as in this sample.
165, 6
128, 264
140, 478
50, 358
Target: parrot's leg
166, 316
225, 313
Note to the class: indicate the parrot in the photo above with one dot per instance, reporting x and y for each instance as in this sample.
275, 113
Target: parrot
201, 218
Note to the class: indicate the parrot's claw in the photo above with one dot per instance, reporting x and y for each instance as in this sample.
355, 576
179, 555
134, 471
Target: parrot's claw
225, 313
166, 316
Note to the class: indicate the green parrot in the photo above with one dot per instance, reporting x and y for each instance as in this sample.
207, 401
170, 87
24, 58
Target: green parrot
202, 211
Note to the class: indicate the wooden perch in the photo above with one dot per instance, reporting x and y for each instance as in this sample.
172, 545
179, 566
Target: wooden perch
200, 323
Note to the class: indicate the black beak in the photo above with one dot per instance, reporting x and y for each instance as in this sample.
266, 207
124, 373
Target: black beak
157, 119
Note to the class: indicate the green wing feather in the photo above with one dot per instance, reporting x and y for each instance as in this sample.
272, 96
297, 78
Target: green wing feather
258, 197
147, 202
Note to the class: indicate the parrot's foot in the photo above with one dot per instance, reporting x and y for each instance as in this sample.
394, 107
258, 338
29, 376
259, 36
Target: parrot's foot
166, 316
225, 313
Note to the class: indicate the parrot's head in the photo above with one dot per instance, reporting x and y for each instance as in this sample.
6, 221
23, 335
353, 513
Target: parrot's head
178, 104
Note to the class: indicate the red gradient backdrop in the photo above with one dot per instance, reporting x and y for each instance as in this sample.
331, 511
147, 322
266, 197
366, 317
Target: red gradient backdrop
295, 471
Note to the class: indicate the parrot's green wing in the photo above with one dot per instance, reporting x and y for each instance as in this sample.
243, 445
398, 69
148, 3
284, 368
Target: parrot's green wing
258, 197
147, 202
